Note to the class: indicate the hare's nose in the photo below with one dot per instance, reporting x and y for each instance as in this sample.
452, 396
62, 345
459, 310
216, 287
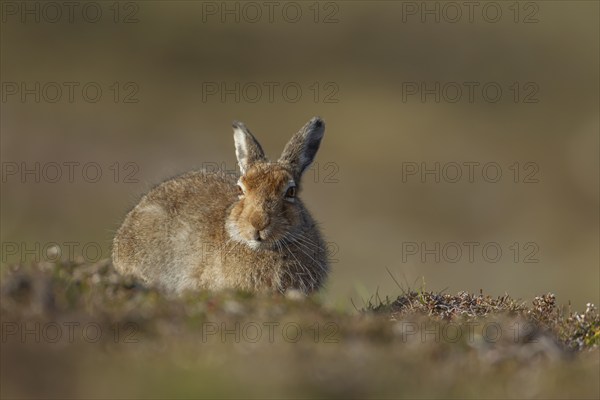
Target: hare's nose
260, 224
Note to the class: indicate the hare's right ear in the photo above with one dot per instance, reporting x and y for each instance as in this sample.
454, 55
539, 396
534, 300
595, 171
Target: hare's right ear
247, 148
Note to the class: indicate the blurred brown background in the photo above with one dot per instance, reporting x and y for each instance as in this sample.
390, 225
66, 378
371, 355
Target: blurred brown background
173, 75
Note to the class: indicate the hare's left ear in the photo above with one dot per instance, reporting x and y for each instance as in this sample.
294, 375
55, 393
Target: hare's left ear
300, 151
247, 148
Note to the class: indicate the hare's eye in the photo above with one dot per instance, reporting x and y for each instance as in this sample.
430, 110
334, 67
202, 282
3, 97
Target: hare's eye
240, 191
291, 192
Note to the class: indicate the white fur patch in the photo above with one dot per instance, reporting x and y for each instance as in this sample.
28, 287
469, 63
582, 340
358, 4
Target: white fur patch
241, 148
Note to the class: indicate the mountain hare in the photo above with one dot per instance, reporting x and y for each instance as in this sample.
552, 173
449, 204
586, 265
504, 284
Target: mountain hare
214, 230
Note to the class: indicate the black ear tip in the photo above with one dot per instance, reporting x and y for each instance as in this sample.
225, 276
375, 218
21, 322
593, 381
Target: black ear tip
318, 122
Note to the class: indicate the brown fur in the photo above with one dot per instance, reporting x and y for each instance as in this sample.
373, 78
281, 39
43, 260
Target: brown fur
196, 231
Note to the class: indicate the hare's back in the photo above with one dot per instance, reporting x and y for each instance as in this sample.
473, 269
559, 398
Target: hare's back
161, 237
181, 211
194, 195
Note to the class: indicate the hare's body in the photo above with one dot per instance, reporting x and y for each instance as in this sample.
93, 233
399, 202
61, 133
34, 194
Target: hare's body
202, 230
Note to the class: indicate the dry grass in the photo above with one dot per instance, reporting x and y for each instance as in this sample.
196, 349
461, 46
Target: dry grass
577, 331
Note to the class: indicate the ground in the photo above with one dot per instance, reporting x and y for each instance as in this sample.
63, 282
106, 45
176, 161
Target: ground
76, 330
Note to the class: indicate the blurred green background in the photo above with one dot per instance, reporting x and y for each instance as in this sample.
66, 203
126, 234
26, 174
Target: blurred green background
174, 74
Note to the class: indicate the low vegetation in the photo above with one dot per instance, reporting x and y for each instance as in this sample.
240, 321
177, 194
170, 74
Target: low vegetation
75, 330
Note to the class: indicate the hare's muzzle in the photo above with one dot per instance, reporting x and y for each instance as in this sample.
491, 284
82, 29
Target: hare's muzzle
260, 225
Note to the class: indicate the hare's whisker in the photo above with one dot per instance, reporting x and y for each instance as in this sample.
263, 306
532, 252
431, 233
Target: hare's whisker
233, 248
306, 240
303, 267
318, 264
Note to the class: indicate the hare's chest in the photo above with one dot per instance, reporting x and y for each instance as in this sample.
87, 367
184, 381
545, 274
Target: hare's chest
241, 268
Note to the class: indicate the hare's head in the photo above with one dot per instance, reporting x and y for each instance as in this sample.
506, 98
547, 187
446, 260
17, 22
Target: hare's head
268, 208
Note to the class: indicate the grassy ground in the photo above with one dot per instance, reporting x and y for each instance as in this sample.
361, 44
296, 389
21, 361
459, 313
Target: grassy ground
81, 330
